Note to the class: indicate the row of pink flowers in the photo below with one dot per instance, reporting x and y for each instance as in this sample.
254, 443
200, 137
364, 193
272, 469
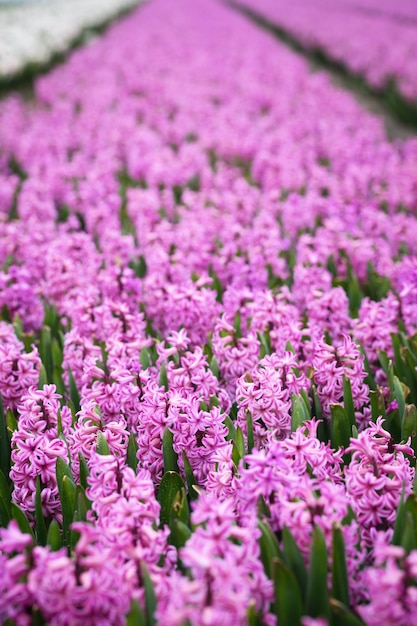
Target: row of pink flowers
378, 43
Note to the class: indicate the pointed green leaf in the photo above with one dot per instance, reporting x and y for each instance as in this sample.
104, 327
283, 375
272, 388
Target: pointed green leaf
169, 454
409, 425
294, 559
231, 428
170, 485
150, 598
63, 469
307, 403
269, 547
74, 395
317, 404
240, 442
298, 414
190, 478
5, 492
288, 603
132, 449
163, 378
144, 358
342, 616
399, 396
249, 424
340, 584
348, 401
317, 602
5, 445
399, 524
369, 380
340, 427
135, 617
67, 496
84, 471
180, 533
43, 377
53, 538
253, 617
40, 524
102, 445
214, 367
21, 519
5, 514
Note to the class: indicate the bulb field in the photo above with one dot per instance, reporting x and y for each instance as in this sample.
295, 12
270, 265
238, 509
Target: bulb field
208, 337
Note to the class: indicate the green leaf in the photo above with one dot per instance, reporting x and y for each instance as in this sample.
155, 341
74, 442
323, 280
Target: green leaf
294, 559
369, 380
317, 602
169, 454
132, 449
298, 414
163, 378
67, 496
399, 396
214, 367
74, 395
5, 492
190, 478
102, 445
53, 538
237, 325
231, 428
240, 442
289, 608
66, 488
340, 584
399, 524
144, 358
384, 360
348, 401
316, 402
150, 598
84, 471
40, 524
63, 469
5, 514
5, 445
43, 377
341, 429
135, 617
253, 617
170, 486
249, 424
269, 547
409, 426
45, 351
21, 519
342, 616
180, 533
307, 404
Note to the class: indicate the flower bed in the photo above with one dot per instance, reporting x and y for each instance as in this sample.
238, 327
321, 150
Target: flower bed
207, 346
32, 35
375, 46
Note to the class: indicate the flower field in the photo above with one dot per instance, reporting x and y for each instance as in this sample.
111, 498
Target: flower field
358, 36
208, 338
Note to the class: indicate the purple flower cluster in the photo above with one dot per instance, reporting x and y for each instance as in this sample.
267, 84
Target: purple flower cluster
200, 242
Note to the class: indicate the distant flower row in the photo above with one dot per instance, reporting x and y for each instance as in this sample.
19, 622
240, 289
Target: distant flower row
32, 34
208, 350
373, 44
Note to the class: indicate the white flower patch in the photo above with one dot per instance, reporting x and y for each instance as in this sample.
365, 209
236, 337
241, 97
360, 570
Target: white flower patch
33, 32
